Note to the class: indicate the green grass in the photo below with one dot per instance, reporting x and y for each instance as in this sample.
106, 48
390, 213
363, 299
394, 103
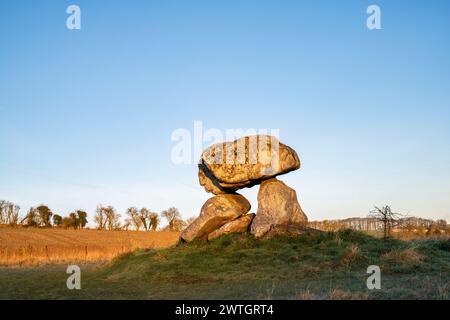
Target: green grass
330, 265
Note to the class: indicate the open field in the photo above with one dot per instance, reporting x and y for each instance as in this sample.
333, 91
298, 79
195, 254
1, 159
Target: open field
32, 246
328, 266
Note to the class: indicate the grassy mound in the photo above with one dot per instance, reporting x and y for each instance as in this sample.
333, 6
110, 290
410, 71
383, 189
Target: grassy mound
328, 265
324, 266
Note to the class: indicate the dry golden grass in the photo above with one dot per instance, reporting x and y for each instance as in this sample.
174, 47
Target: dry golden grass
406, 256
352, 254
442, 291
31, 246
337, 294
307, 295
406, 235
334, 294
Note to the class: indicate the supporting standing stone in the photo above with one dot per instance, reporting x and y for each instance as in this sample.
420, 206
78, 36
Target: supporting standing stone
216, 212
277, 205
236, 226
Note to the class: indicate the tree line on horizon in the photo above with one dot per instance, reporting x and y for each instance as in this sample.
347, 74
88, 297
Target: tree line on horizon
385, 220
105, 218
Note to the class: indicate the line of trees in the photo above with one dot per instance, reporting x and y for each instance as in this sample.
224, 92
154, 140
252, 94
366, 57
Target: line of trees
105, 218
141, 219
385, 220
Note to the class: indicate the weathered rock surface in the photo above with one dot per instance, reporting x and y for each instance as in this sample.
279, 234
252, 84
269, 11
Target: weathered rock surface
277, 205
208, 184
245, 162
239, 225
216, 212
227, 167
290, 230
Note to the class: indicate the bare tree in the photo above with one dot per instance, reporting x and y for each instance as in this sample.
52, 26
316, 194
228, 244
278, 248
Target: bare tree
2, 211
134, 219
9, 213
172, 215
149, 219
126, 225
388, 218
13, 217
144, 216
100, 217
154, 220
112, 218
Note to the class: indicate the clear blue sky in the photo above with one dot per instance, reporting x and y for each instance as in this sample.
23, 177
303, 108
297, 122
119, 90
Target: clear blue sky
86, 115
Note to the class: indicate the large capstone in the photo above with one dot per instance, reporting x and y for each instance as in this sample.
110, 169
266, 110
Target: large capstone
245, 162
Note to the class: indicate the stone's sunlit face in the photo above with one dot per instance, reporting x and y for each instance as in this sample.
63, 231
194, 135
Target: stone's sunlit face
277, 206
239, 225
247, 150
216, 212
245, 162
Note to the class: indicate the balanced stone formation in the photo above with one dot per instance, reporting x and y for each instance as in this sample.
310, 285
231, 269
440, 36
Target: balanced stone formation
227, 167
